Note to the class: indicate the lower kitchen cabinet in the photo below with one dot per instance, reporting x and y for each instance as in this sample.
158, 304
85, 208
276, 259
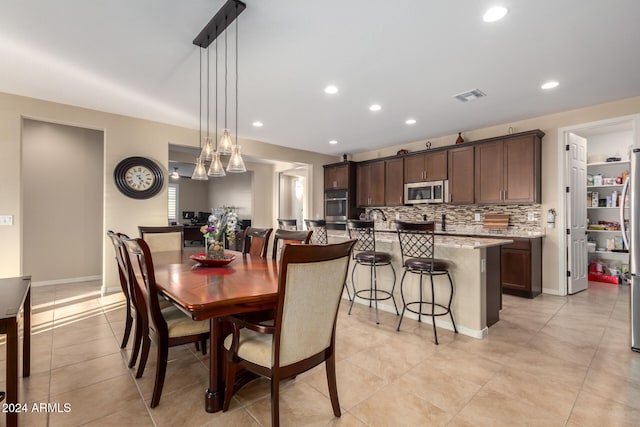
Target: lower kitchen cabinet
521, 267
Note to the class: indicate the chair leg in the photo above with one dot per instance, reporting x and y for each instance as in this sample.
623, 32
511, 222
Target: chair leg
346, 288
433, 308
275, 401
203, 343
146, 343
161, 369
393, 287
421, 299
374, 293
230, 378
332, 383
450, 300
404, 303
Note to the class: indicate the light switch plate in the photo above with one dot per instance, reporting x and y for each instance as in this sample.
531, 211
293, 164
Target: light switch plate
6, 219
531, 216
398, 216
476, 217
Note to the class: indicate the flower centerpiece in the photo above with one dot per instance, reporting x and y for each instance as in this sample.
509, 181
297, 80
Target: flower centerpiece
222, 224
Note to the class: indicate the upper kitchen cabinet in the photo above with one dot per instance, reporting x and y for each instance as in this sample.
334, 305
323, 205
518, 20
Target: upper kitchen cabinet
425, 167
507, 169
461, 163
371, 184
336, 176
394, 185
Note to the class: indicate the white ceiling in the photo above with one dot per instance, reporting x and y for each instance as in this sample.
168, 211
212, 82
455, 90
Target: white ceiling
411, 56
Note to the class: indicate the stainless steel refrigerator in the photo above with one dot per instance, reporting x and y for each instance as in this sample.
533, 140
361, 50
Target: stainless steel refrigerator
631, 237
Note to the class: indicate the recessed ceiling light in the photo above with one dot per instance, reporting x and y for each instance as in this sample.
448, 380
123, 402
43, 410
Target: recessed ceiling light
410, 121
333, 142
331, 90
495, 14
258, 124
549, 85
375, 107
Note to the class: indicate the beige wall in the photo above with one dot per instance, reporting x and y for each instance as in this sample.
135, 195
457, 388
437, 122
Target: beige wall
193, 195
123, 137
234, 189
62, 199
549, 124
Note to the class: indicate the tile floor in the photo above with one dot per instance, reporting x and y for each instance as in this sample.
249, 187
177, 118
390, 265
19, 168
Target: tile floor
551, 361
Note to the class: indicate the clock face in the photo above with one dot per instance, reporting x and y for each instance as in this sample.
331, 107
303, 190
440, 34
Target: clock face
138, 177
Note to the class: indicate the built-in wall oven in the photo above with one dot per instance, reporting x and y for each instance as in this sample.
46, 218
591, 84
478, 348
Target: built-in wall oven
336, 209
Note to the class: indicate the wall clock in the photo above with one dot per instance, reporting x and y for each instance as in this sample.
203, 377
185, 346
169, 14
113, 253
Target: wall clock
138, 177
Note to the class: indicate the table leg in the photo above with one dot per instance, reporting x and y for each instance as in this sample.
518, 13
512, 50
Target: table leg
12, 369
214, 396
26, 341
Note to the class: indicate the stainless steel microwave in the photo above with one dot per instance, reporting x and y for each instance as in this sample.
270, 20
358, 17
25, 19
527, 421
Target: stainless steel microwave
426, 192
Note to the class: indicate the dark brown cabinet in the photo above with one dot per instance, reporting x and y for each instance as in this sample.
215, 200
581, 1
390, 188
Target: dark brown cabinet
394, 184
371, 184
521, 267
336, 177
507, 169
425, 167
461, 176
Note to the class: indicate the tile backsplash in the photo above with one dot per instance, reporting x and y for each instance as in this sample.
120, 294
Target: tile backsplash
522, 218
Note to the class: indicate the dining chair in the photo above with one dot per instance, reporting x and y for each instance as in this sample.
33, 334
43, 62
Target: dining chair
128, 320
288, 224
256, 241
417, 249
289, 236
163, 238
169, 326
366, 254
303, 333
319, 228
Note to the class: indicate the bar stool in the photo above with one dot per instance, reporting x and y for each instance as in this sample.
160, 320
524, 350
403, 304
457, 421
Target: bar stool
319, 237
288, 224
319, 228
365, 254
416, 248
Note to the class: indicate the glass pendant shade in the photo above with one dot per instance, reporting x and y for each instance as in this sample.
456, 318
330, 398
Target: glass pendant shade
225, 146
216, 168
207, 150
236, 164
200, 171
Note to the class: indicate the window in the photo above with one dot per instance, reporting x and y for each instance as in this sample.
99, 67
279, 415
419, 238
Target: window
172, 199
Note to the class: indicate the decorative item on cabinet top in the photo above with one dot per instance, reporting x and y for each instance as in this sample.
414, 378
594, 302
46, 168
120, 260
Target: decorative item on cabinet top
460, 140
402, 151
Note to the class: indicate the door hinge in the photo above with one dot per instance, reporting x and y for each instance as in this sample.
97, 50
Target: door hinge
568, 273
568, 232
566, 147
568, 189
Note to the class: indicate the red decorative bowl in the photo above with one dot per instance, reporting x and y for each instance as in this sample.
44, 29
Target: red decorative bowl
203, 260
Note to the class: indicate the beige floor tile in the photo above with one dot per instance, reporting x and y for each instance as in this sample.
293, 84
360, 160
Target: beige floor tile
549, 367
136, 417
580, 354
490, 408
397, 406
459, 364
346, 420
300, 405
591, 410
82, 374
70, 354
76, 334
98, 401
438, 388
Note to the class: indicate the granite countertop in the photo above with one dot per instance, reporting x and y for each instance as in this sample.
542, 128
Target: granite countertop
443, 241
473, 230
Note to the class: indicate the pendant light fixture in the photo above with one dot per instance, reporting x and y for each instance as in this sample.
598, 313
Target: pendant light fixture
216, 169
225, 141
207, 147
200, 171
236, 163
219, 23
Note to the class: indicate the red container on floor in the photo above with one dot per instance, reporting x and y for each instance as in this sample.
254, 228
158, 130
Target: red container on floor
598, 277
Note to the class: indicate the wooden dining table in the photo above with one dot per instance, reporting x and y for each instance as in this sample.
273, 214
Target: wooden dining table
247, 284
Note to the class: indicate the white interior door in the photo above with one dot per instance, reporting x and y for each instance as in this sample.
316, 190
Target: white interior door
576, 158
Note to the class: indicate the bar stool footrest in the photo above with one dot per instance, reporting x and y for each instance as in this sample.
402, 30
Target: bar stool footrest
427, 305
370, 297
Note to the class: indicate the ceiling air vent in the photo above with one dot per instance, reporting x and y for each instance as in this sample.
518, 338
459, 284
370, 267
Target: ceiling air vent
470, 95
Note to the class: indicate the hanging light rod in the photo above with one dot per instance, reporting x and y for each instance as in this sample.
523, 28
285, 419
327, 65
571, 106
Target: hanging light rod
225, 16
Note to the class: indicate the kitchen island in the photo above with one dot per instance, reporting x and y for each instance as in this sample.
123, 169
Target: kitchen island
474, 268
